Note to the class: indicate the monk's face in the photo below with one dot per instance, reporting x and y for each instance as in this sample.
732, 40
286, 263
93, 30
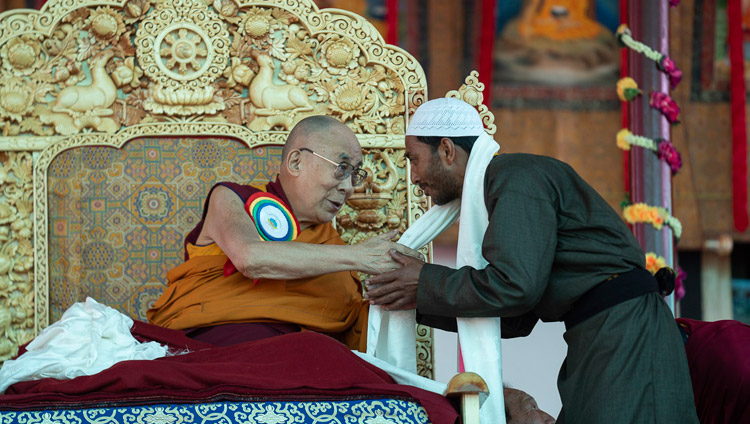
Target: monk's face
430, 173
522, 408
320, 195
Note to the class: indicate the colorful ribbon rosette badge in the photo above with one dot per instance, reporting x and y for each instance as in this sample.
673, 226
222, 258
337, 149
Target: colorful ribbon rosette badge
272, 218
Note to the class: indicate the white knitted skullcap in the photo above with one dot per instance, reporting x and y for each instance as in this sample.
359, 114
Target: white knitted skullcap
445, 117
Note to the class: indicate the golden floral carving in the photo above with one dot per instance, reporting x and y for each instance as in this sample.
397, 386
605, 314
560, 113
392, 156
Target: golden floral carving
16, 99
22, 55
183, 46
105, 25
238, 73
192, 59
257, 24
228, 9
16, 252
127, 73
71, 47
379, 204
339, 55
135, 9
471, 93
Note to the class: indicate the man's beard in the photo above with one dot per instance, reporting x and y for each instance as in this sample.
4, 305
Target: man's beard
443, 184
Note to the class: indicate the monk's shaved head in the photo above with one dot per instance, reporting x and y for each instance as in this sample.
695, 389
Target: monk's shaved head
313, 131
315, 148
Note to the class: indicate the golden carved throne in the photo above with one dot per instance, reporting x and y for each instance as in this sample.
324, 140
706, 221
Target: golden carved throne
117, 116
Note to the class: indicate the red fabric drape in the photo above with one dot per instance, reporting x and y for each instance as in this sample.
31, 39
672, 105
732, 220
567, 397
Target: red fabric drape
739, 129
392, 22
292, 367
486, 47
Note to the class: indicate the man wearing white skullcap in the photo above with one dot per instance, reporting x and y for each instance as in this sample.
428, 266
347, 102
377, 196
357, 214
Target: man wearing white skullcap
549, 248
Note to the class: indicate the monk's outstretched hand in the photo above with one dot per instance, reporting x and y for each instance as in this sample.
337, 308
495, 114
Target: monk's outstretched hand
396, 290
374, 257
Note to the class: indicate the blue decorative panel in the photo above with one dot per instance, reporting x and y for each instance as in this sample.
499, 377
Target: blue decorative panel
374, 411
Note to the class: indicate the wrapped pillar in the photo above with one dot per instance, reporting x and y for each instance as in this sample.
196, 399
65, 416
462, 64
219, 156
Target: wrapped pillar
650, 177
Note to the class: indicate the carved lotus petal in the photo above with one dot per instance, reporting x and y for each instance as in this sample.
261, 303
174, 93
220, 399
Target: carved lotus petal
226, 8
106, 24
6, 210
122, 75
15, 102
289, 67
349, 97
339, 54
257, 27
22, 55
242, 74
5, 316
302, 72
134, 9
257, 23
397, 126
16, 99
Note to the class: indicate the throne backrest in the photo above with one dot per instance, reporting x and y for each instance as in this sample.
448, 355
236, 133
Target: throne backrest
118, 115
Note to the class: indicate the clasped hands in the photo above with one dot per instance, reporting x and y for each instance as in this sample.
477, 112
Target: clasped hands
394, 288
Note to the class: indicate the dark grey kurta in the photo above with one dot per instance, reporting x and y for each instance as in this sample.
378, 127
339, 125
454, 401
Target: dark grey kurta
550, 239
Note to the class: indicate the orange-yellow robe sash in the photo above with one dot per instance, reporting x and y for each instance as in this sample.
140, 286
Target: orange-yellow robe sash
198, 295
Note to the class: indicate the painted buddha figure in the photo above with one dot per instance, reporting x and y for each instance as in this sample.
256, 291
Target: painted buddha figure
557, 42
558, 20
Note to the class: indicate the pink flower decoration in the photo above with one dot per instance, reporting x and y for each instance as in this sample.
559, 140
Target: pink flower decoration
668, 66
674, 3
670, 155
679, 286
664, 104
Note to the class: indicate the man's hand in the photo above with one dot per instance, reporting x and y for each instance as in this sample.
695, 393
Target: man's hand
374, 253
396, 290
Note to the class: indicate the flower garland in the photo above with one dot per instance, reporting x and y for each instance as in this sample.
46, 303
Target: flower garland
664, 104
663, 148
679, 285
663, 62
654, 262
654, 215
627, 89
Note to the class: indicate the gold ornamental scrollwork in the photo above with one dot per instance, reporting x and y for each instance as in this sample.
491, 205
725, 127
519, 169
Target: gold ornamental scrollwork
380, 203
79, 66
16, 253
183, 46
471, 93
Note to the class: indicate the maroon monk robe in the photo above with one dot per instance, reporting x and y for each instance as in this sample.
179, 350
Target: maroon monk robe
718, 355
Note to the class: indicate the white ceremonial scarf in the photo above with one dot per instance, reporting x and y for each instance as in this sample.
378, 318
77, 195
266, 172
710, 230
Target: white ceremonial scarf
391, 335
88, 338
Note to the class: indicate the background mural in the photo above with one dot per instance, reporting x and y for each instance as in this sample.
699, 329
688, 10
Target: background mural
711, 65
560, 53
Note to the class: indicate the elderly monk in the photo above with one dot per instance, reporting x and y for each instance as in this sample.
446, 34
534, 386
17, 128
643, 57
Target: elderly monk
553, 250
268, 262
521, 408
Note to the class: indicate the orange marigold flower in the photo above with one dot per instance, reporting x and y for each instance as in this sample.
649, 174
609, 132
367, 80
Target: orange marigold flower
654, 262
